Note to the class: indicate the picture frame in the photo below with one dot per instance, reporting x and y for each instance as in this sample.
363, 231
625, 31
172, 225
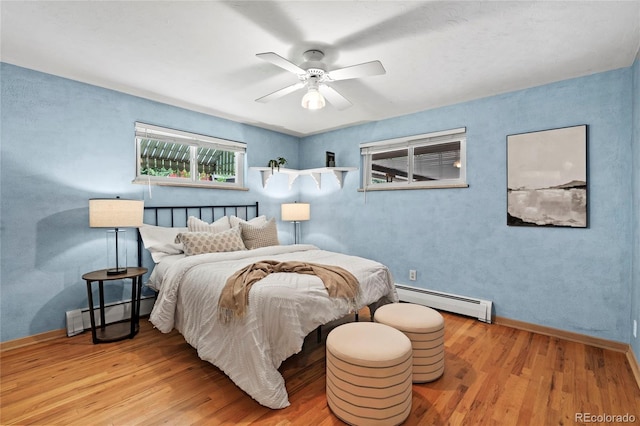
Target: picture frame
547, 178
330, 160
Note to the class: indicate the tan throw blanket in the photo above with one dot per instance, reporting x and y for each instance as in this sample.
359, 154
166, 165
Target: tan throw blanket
234, 298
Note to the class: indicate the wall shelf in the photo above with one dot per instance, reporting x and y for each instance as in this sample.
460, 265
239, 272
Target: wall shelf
316, 174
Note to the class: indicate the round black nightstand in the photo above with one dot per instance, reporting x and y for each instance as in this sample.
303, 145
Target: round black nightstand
122, 329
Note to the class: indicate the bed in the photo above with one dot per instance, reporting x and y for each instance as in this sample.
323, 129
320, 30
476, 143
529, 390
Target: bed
282, 309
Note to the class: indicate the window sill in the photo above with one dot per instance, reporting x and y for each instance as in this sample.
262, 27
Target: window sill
412, 187
208, 185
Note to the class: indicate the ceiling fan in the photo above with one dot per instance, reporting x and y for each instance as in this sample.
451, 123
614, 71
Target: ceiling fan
314, 76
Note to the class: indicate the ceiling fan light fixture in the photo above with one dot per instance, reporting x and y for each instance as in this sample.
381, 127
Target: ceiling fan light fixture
313, 99
313, 74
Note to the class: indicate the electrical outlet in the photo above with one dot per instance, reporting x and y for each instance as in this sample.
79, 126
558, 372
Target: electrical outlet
635, 328
412, 274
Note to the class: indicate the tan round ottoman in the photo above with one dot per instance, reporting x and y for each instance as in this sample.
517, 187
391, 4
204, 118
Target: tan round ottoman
425, 328
369, 374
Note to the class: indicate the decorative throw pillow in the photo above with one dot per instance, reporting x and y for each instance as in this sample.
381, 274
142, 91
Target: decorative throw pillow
207, 242
236, 221
197, 225
160, 240
255, 236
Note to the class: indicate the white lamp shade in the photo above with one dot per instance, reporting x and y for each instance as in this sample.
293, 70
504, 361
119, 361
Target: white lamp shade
295, 212
115, 213
313, 99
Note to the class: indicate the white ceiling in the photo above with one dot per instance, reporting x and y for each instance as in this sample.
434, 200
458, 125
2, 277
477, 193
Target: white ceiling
200, 55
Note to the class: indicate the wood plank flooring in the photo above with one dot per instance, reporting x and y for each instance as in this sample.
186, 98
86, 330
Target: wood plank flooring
494, 375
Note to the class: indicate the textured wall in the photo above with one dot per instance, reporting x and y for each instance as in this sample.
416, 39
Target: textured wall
458, 240
635, 280
64, 142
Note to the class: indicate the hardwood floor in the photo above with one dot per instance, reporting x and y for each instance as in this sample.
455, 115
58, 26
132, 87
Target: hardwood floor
493, 375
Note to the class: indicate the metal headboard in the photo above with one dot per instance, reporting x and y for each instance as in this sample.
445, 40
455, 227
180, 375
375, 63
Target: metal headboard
176, 216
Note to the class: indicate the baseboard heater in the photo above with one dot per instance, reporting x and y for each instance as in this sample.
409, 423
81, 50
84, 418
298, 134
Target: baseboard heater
476, 308
79, 320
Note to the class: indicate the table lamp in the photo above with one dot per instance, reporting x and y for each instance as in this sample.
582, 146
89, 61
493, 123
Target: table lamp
296, 213
116, 213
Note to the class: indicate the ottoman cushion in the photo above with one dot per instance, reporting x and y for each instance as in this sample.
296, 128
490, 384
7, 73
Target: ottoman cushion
425, 328
369, 371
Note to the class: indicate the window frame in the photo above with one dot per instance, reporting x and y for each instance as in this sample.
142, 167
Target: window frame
410, 143
193, 141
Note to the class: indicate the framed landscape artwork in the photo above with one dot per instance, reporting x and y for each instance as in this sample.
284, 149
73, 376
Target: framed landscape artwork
547, 178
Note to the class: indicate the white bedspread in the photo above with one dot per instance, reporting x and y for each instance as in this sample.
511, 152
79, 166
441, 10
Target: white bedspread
283, 309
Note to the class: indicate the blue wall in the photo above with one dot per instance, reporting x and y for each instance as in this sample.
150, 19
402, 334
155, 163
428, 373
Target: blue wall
457, 239
64, 142
635, 280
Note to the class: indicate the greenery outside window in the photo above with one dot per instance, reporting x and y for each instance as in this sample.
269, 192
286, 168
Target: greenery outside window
431, 160
173, 157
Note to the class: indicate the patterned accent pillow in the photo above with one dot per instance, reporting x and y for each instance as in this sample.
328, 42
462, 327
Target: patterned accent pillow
255, 236
197, 225
236, 221
207, 242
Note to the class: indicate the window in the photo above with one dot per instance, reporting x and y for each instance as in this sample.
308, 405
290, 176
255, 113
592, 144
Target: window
432, 160
173, 157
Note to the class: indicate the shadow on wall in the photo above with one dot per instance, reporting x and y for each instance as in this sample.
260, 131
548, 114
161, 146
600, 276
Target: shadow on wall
66, 244
61, 240
66, 248
48, 246
51, 316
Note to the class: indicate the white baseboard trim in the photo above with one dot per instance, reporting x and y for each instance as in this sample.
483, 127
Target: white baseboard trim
79, 320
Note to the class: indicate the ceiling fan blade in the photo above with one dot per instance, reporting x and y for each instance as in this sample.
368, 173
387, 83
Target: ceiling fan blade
334, 98
280, 93
278, 60
356, 71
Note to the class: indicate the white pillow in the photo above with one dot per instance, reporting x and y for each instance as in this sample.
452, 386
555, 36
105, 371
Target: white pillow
160, 240
235, 221
197, 225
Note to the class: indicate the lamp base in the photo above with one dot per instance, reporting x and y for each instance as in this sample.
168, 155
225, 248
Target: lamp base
116, 252
116, 271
